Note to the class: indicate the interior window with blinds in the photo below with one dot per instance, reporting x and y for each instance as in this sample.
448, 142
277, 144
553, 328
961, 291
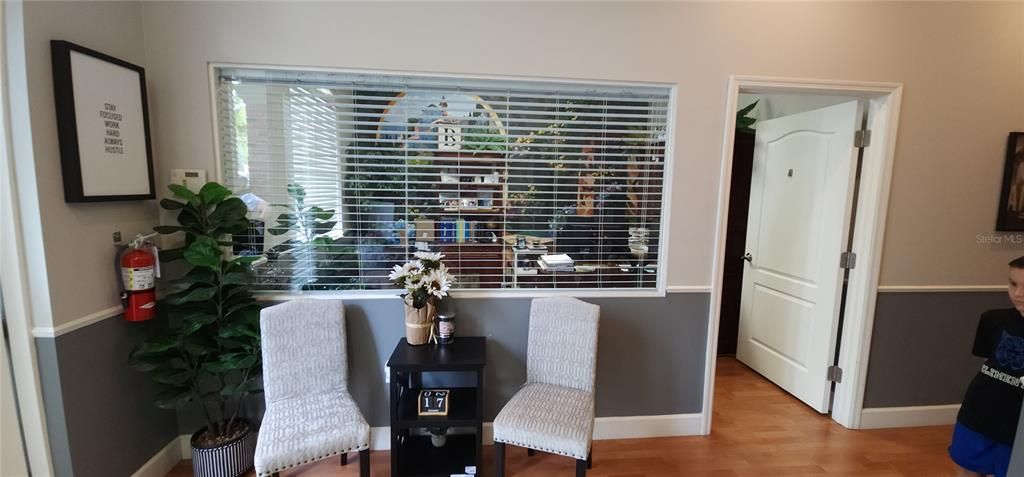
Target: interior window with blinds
519, 184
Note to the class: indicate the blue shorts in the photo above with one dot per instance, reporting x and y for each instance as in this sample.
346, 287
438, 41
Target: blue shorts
978, 453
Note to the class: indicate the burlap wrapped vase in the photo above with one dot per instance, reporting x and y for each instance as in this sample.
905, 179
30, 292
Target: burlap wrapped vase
418, 322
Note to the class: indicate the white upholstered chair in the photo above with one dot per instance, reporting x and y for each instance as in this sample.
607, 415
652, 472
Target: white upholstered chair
554, 411
310, 415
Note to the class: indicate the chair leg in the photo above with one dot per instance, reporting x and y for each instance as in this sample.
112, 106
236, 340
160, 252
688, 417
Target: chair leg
499, 459
364, 463
590, 459
344, 458
581, 468
530, 452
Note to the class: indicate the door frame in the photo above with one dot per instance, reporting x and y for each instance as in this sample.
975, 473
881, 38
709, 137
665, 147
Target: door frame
883, 106
19, 212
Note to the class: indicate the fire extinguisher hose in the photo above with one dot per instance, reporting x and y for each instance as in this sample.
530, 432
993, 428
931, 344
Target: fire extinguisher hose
122, 292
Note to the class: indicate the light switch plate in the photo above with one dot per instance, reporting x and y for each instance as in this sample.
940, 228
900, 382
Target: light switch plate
193, 179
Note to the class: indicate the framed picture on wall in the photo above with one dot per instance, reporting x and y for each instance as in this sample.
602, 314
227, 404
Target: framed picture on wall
1011, 201
102, 125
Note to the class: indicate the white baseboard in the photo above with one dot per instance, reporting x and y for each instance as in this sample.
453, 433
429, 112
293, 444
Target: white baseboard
636, 427
77, 323
162, 463
186, 446
380, 438
605, 428
910, 416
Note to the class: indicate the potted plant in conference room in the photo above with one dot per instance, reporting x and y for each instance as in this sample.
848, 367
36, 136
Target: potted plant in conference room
209, 355
425, 280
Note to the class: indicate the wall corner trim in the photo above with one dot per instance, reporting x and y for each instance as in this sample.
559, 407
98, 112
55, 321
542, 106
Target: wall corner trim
908, 416
55, 331
162, 462
605, 428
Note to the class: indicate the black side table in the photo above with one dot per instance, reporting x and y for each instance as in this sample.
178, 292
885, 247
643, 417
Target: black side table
412, 453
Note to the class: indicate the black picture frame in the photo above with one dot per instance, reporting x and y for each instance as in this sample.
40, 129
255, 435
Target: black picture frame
1011, 198
71, 149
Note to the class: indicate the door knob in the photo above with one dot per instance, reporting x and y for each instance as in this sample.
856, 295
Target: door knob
748, 257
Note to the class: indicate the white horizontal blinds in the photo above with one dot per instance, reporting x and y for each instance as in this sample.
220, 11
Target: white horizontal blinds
466, 167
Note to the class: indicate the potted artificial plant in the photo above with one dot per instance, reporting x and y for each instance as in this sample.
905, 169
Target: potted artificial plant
425, 280
209, 355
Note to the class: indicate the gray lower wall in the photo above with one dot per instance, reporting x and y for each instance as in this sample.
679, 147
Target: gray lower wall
99, 412
1017, 458
650, 362
650, 353
921, 347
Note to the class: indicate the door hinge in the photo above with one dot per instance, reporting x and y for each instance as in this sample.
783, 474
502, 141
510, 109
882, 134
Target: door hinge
847, 260
862, 138
834, 374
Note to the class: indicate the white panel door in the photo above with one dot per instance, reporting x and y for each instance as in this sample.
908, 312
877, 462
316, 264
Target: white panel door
801, 194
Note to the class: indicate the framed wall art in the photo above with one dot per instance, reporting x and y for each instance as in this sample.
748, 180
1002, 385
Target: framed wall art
1011, 199
102, 125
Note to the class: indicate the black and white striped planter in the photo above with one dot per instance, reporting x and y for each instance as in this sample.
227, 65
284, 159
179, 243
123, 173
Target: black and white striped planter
229, 460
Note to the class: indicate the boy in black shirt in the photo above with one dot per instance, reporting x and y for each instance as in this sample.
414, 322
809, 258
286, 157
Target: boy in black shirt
987, 423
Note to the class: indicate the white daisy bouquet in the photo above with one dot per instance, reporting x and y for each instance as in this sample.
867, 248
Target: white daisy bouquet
425, 279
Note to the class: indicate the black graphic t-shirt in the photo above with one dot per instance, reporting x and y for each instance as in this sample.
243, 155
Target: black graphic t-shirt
993, 400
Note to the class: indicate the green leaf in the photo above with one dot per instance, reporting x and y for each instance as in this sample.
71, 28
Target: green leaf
231, 343
287, 220
189, 327
204, 252
321, 214
196, 349
229, 217
324, 227
228, 213
297, 192
199, 294
245, 261
750, 107
212, 193
171, 204
178, 286
246, 362
239, 306
201, 275
239, 330
145, 365
172, 376
235, 278
191, 222
168, 229
183, 192
158, 344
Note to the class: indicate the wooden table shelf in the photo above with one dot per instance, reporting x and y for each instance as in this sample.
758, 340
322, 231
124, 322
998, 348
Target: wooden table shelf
412, 453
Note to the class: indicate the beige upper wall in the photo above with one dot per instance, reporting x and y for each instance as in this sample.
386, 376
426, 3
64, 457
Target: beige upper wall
77, 237
962, 65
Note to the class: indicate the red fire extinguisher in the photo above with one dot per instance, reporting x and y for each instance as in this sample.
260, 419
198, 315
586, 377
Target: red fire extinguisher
137, 271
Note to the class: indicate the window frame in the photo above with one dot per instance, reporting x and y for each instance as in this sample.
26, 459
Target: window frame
659, 290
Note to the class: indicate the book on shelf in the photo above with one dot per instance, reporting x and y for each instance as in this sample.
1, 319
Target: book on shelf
559, 262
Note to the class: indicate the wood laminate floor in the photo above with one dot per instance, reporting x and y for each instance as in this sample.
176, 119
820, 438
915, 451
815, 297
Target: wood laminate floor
758, 430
